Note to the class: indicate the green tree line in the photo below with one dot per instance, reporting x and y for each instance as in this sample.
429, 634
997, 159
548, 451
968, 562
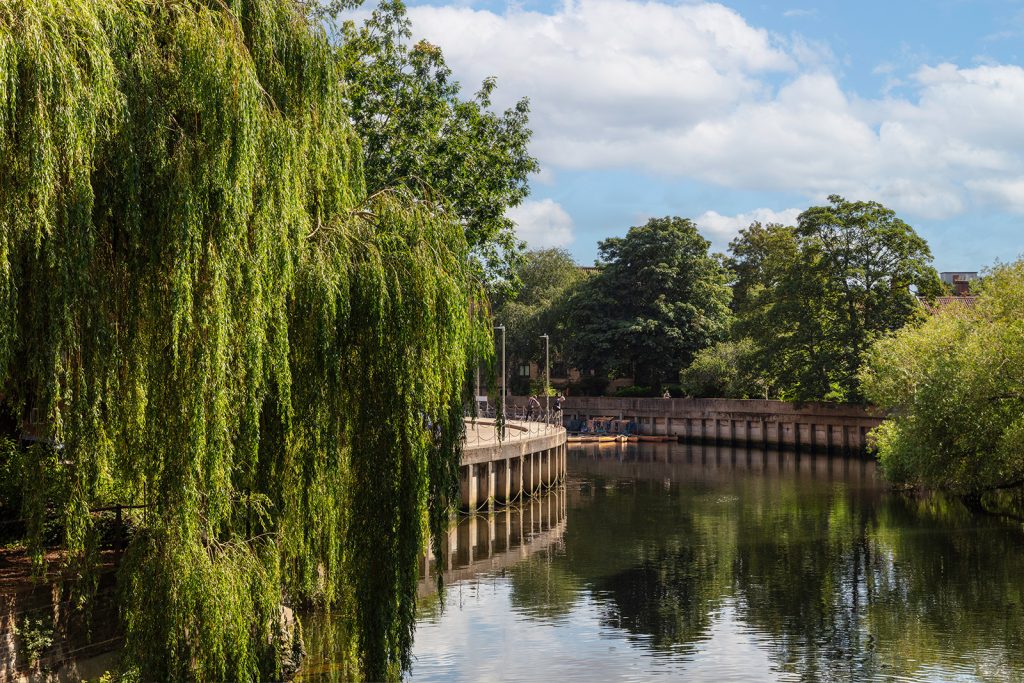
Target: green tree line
788, 313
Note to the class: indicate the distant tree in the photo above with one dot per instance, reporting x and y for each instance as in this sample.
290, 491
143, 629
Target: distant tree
814, 297
955, 389
418, 131
658, 299
728, 369
547, 279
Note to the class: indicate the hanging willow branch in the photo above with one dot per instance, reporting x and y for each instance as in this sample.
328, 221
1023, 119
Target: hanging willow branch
209, 314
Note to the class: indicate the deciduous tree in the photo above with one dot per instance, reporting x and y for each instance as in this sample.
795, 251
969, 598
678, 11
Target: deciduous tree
954, 386
418, 131
658, 299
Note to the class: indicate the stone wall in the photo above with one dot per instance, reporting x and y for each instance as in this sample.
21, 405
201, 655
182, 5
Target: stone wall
759, 422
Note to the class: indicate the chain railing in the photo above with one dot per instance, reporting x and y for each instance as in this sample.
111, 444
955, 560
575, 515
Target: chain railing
521, 423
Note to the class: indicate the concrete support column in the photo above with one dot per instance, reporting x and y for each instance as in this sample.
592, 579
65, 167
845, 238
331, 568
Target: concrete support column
506, 481
473, 486
492, 483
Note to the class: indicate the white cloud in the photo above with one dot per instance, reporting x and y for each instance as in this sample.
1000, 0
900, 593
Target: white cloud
694, 91
721, 229
543, 223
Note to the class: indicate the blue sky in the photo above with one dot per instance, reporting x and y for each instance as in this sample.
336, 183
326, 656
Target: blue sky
726, 113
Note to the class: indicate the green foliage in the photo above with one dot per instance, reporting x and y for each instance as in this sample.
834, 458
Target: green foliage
659, 299
636, 391
729, 369
955, 387
213, 320
417, 131
814, 297
36, 636
12, 479
547, 278
590, 385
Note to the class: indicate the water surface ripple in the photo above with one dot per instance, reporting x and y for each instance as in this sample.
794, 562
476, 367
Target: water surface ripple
673, 561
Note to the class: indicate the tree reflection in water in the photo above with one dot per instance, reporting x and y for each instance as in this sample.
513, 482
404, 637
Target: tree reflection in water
653, 551
837, 577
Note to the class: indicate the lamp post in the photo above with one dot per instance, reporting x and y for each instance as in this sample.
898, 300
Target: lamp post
547, 376
502, 328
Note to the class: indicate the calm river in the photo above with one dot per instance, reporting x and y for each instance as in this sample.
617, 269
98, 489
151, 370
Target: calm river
672, 561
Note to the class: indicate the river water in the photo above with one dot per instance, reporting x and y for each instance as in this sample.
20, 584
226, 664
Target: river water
672, 561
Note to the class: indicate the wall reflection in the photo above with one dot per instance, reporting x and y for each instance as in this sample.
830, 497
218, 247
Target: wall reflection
495, 541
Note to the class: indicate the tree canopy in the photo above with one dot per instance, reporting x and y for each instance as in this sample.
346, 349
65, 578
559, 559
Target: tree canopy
955, 388
418, 132
547, 278
204, 314
658, 299
813, 297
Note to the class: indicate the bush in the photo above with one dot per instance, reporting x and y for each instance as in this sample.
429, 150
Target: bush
636, 392
726, 370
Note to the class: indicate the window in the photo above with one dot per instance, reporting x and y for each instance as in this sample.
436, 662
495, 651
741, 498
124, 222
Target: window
524, 370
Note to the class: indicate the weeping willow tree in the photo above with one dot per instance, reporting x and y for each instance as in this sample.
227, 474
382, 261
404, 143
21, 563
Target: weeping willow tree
203, 315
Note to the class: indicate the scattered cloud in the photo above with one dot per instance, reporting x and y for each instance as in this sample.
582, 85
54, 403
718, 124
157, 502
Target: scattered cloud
721, 229
693, 91
793, 13
542, 223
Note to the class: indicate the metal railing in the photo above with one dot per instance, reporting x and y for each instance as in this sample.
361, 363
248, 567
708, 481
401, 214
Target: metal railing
520, 423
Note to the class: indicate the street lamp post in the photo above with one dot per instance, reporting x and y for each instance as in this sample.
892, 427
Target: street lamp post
547, 376
503, 392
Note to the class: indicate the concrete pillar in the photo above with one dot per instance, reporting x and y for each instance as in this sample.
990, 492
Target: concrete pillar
506, 481
846, 439
492, 483
517, 480
472, 486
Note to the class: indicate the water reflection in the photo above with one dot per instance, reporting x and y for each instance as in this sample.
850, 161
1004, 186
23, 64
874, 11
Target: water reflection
495, 541
739, 564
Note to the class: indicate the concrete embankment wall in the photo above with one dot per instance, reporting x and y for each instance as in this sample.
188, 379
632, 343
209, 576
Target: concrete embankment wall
769, 423
527, 461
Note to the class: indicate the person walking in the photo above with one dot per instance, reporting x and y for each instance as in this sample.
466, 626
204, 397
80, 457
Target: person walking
532, 408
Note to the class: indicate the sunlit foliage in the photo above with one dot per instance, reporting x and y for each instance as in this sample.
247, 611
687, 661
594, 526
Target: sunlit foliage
202, 314
955, 386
